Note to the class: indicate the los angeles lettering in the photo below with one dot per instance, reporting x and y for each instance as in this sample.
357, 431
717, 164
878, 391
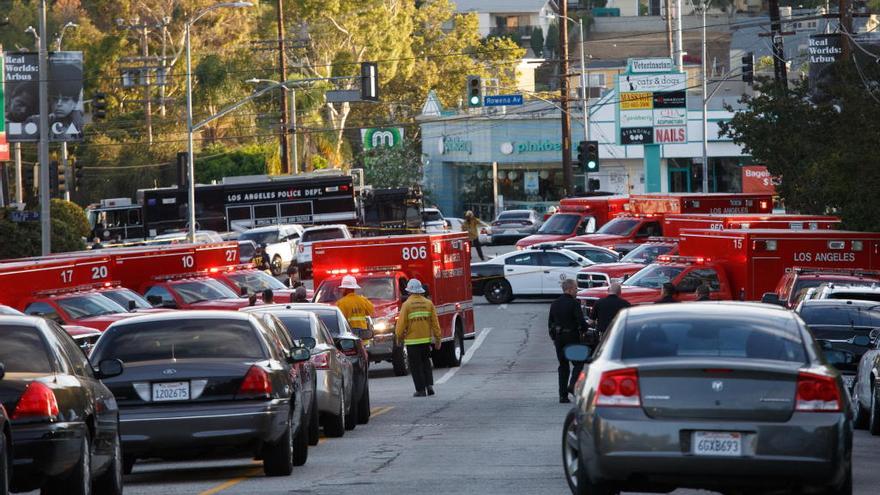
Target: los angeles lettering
829, 257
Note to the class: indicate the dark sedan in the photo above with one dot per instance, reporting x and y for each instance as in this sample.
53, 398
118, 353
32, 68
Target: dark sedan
64, 422
732, 397
206, 383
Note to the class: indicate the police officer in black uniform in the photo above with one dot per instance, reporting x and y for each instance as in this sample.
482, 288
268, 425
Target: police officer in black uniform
566, 324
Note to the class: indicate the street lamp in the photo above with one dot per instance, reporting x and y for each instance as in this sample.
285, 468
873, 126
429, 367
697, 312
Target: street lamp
61, 34
64, 152
284, 86
580, 23
191, 185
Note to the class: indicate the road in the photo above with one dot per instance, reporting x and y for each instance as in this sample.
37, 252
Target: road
493, 427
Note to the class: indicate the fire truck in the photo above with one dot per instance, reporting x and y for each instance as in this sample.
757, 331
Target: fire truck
576, 216
383, 266
744, 264
645, 215
673, 224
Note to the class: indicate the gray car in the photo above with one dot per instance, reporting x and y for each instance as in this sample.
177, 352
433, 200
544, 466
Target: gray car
719, 396
512, 225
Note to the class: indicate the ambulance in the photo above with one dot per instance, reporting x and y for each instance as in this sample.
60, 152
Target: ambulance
673, 224
576, 216
744, 264
383, 266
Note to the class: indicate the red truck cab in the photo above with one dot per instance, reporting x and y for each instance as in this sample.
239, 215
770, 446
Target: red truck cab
192, 291
576, 216
383, 265
626, 229
600, 275
800, 279
245, 279
84, 309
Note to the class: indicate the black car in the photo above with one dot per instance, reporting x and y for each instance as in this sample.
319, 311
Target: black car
206, 383
64, 421
843, 329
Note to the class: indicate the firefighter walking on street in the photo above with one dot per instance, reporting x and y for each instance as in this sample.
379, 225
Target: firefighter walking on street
566, 324
472, 226
418, 328
354, 306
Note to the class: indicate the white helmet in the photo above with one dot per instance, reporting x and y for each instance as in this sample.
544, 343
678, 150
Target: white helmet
349, 282
414, 286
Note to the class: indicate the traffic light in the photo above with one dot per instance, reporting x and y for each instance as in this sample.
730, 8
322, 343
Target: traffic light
592, 164
77, 174
582, 154
474, 91
62, 179
748, 68
53, 177
369, 81
99, 106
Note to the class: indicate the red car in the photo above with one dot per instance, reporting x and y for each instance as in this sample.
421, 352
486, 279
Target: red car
601, 274
193, 293
252, 281
86, 309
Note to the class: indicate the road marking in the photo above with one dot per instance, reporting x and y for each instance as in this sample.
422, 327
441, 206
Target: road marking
467, 357
229, 484
378, 411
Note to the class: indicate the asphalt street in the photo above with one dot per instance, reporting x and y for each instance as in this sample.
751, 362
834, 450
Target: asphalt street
494, 427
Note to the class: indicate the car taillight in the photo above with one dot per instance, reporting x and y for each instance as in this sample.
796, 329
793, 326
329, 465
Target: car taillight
321, 361
817, 393
619, 388
256, 382
37, 401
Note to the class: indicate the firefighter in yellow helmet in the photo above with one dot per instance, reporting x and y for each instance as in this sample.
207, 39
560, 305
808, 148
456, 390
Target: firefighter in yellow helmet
355, 307
418, 328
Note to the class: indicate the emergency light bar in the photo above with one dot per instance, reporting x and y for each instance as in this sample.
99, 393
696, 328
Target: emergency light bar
231, 268
666, 258
662, 239
180, 276
366, 269
78, 288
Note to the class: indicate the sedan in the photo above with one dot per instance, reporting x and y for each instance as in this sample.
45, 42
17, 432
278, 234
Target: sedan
64, 421
718, 396
334, 371
529, 273
512, 225
206, 383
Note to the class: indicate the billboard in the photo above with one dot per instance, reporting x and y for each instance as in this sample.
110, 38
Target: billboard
653, 104
824, 50
65, 103
756, 179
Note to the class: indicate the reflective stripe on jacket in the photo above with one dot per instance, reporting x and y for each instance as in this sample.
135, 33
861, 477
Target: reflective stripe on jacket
356, 309
418, 323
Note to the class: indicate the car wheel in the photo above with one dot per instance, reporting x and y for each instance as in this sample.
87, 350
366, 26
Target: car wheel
314, 425
874, 419
400, 361
364, 405
498, 291
278, 456
334, 424
301, 443
860, 416
79, 481
454, 350
351, 419
277, 266
572, 463
110, 482
4, 464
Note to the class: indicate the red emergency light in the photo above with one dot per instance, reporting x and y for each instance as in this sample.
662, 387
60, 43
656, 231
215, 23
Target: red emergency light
180, 276
699, 260
78, 288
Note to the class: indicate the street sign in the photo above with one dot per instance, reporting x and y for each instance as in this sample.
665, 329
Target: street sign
652, 106
376, 137
24, 216
343, 95
501, 100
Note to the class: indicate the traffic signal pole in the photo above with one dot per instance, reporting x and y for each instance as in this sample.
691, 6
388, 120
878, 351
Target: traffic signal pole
45, 221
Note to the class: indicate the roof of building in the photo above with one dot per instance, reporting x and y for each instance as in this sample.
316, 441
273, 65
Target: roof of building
492, 6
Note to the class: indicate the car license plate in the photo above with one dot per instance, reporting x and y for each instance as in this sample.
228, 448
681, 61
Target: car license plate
170, 391
717, 443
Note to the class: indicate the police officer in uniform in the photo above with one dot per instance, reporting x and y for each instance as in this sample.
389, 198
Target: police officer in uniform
566, 323
355, 307
605, 309
418, 328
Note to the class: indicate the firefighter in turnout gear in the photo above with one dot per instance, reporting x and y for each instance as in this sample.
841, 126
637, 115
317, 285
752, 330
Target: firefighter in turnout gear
418, 328
355, 307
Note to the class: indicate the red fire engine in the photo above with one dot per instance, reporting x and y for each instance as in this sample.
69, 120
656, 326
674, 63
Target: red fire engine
577, 216
383, 265
673, 224
744, 264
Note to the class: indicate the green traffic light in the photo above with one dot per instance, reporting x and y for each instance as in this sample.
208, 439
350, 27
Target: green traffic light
591, 165
475, 100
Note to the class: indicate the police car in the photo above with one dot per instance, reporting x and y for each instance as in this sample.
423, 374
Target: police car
527, 273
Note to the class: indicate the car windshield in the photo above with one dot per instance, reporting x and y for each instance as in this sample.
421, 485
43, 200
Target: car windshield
260, 237
843, 315
560, 223
432, 216
180, 339
193, 291
654, 276
322, 235
89, 305
737, 335
380, 288
23, 350
299, 327
513, 215
619, 226
255, 281
123, 296
330, 318
646, 253
246, 251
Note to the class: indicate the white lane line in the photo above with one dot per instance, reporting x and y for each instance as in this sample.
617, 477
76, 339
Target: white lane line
467, 357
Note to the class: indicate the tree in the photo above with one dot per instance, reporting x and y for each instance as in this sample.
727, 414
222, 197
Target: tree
537, 41
552, 42
399, 166
72, 215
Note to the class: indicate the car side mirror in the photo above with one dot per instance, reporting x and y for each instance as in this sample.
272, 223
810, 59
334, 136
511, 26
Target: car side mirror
347, 345
299, 354
771, 298
308, 342
861, 340
154, 300
2, 371
109, 368
132, 305
578, 353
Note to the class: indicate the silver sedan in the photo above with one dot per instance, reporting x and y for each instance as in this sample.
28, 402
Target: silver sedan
721, 396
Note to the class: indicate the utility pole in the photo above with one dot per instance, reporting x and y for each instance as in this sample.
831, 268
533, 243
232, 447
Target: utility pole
780, 71
679, 49
282, 69
163, 80
148, 95
19, 187
668, 4
567, 173
846, 20
43, 57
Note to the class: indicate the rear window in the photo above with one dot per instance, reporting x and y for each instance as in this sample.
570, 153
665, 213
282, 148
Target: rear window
181, 339
298, 327
514, 215
735, 336
23, 350
260, 237
322, 235
845, 315
330, 320
432, 216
